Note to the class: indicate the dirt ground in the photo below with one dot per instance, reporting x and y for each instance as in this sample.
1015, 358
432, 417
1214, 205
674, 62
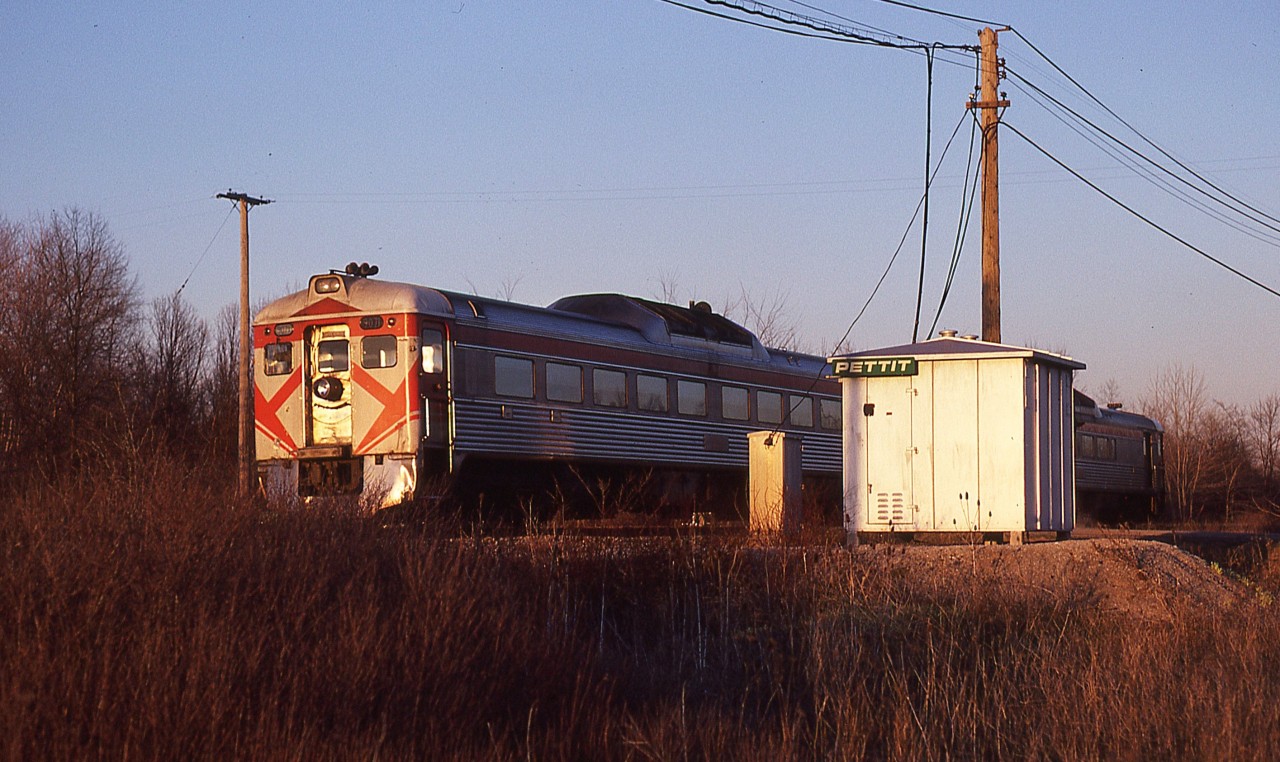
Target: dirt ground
1128, 575
1139, 578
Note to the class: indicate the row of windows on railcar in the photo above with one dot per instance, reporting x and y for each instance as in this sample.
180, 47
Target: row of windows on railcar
333, 355
1097, 447
375, 352
563, 382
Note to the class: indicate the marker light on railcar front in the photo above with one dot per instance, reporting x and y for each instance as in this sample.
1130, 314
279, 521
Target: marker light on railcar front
328, 285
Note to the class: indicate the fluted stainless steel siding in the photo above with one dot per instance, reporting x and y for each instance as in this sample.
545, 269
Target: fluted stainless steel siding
528, 430
1112, 476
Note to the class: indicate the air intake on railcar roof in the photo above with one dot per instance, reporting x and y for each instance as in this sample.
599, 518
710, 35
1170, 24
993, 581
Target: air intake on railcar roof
653, 318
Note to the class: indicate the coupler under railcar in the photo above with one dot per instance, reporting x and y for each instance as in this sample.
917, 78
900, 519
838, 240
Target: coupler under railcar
378, 480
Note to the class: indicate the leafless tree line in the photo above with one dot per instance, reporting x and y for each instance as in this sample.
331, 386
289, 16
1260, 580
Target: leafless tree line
1219, 458
91, 374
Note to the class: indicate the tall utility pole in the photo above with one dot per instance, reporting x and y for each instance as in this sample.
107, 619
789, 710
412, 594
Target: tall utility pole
989, 104
245, 482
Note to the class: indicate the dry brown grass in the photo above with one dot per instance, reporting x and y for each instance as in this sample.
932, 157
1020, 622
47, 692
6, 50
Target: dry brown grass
160, 619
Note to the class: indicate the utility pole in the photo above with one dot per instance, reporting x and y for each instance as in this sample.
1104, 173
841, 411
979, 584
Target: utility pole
245, 482
989, 105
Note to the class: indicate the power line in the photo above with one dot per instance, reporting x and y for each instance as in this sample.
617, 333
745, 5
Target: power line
829, 30
1143, 217
936, 12
1161, 183
1260, 218
1135, 130
892, 259
200, 259
863, 35
924, 225
749, 22
819, 29
969, 194
705, 190
905, 233
858, 23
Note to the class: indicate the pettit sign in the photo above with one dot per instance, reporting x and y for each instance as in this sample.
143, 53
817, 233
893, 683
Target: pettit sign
873, 366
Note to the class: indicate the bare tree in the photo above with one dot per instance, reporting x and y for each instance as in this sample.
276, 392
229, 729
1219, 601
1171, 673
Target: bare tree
506, 290
222, 384
68, 324
668, 290
12, 380
1227, 454
768, 317
173, 364
1264, 439
1109, 392
1178, 400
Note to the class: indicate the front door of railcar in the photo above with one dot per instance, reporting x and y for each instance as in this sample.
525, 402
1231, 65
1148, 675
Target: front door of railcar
328, 385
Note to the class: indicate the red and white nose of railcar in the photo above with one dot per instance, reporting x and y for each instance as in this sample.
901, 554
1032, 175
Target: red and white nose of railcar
339, 408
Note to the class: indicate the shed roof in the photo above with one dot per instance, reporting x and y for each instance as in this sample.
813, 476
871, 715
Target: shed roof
954, 348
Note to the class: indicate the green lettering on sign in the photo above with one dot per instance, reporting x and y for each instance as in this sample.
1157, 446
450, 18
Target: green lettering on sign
874, 366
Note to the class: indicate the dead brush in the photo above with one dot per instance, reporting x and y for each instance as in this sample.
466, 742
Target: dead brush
178, 622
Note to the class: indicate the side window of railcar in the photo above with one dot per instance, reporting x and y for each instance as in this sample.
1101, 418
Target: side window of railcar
802, 412
513, 377
829, 414
278, 358
1106, 448
1087, 447
609, 387
736, 405
378, 352
769, 407
432, 351
691, 397
564, 382
651, 393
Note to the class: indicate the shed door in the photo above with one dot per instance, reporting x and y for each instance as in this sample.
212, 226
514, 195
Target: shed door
887, 415
955, 446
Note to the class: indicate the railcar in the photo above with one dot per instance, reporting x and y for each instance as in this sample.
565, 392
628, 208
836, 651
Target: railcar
375, 388
1119, 463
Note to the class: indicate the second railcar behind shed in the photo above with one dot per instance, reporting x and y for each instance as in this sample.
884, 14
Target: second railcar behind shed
1119, 463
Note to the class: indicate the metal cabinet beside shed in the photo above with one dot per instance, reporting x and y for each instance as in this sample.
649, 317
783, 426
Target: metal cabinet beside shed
957, 435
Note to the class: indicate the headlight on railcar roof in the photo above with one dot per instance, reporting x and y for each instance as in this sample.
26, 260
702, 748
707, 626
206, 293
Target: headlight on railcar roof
328, 285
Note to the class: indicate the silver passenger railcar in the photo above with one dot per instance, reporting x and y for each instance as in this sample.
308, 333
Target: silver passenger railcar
1119, 463
375, 388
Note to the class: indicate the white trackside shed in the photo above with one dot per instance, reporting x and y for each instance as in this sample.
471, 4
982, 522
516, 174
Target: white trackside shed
957, 435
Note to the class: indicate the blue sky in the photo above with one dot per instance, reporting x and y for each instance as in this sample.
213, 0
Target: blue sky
629, 145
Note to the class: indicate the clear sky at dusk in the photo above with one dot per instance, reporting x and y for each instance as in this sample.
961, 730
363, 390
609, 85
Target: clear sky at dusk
550, 148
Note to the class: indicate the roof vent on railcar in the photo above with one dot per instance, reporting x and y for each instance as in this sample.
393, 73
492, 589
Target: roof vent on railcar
700, 322
653, 319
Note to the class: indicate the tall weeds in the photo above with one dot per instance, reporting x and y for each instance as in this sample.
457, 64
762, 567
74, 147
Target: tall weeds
153, 616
